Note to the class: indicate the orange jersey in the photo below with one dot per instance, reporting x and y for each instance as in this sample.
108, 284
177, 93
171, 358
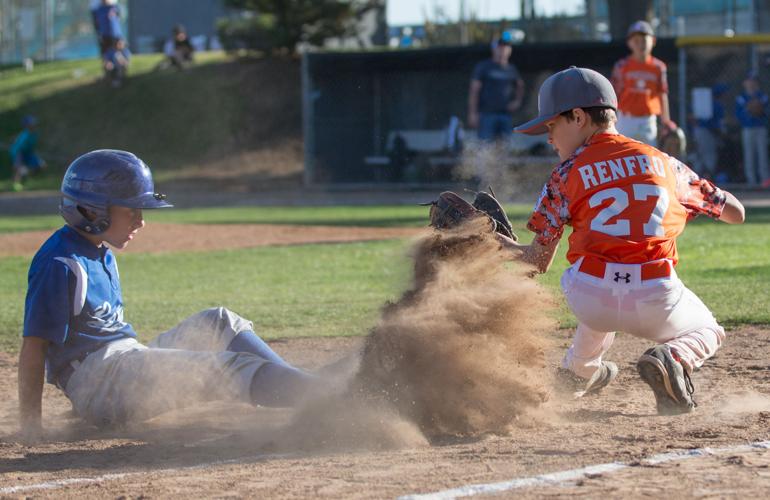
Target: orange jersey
639, 85
626, 201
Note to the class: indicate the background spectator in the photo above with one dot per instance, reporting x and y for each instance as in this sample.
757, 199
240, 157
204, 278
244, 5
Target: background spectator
22, 151
178, 49
641, 85
751, 111
496, 92
107, 22
116, 60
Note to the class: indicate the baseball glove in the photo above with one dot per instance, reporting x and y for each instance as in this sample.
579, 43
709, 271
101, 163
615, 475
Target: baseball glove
450, 210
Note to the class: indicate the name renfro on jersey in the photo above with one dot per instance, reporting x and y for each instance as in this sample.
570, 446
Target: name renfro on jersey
602, 172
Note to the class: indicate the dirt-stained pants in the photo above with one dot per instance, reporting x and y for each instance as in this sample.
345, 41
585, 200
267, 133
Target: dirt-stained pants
662, 310
127, 381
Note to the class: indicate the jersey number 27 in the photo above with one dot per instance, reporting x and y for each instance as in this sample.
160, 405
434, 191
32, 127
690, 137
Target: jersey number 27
619, 197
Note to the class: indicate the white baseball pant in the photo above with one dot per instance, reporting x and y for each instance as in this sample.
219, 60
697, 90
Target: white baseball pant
641, 128
127, 381
661, 310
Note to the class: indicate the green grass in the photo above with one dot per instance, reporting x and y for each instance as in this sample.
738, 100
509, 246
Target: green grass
372, 216
170, 119
309, 290
337, 289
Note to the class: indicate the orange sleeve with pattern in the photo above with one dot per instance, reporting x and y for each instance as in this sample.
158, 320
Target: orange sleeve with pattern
698, 196
551, 212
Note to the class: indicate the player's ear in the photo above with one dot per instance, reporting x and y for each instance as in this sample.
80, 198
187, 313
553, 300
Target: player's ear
579, 116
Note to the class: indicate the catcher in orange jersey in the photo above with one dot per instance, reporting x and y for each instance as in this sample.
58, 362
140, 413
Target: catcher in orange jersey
641, 85
626, 202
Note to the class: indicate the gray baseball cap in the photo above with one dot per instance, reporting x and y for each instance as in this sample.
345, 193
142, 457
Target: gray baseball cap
642, 27
569, 89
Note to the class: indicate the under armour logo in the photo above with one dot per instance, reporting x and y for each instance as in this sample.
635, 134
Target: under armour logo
627, 277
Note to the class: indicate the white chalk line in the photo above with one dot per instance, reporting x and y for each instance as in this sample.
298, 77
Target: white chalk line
551, 479
52, 485
556, 478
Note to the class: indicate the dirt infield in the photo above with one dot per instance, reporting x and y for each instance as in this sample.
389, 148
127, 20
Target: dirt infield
231, 450
160, 237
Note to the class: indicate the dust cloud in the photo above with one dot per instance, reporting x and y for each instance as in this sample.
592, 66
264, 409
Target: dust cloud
461, 353
744, 402
513, 177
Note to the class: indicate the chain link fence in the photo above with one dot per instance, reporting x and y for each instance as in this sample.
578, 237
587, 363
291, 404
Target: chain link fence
46, 30
712, 74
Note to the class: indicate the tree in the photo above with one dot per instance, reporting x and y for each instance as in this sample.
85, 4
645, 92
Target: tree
282, 24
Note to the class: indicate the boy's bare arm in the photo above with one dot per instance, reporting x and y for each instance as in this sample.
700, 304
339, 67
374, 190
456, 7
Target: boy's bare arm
540, 256
733, 212
31, 376
665, 112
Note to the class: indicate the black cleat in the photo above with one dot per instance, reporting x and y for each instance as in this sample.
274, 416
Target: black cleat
668, 380
580, 386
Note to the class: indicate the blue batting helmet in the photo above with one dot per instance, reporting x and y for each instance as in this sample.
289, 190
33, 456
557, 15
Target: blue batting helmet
102, 178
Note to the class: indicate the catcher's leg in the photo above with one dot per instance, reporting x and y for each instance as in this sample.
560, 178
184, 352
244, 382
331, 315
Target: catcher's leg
583, 360
585, 354
687, 335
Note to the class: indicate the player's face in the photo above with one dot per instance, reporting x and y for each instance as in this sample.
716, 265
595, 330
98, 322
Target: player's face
502, 53
564, 136
124, 224
641, 44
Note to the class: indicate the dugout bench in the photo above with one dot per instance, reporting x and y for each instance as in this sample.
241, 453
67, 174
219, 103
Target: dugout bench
432, 155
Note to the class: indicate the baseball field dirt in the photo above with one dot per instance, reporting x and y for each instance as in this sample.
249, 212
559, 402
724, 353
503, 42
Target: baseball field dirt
234, 450
201, 453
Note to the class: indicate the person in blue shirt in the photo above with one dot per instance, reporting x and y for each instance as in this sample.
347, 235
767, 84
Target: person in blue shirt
751, 109
495, 93
708, 133
23, 156
106, 18
77, 335
116, 60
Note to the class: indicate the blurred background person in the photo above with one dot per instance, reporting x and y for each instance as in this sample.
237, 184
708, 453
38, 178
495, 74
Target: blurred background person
23, 156
641, 85
116, 60
751, 112
496, 92
178, 49
107, 22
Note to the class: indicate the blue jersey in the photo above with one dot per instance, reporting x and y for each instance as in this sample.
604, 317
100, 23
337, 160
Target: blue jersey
107, 21
498, 85
73, 299
746, 119
24, 144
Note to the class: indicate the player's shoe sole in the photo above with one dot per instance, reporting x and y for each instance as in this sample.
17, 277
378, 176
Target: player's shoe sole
580, 386
668, 380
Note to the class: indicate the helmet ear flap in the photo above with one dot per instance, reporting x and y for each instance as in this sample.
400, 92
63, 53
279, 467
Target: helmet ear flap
87, 218
95, 222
